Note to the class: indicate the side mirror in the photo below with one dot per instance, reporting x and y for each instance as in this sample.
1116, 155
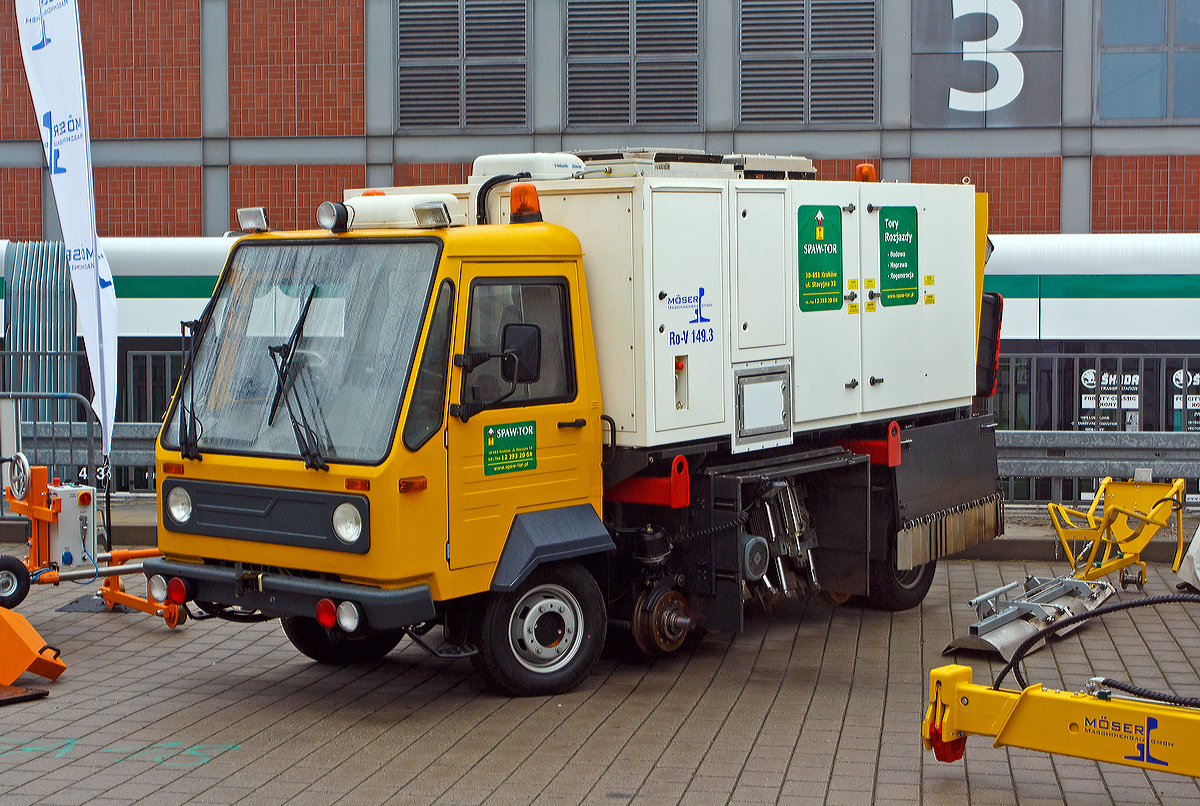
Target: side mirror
521, 345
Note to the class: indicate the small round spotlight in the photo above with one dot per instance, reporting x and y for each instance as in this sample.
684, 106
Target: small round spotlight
332, 216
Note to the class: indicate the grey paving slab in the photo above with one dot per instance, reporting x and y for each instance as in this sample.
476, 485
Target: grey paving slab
809, 705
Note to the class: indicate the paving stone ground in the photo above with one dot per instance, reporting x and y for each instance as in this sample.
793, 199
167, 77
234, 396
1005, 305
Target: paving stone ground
809, 705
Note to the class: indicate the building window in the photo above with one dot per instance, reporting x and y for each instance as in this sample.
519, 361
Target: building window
462, 64
633, 63
807, 62
1149, 60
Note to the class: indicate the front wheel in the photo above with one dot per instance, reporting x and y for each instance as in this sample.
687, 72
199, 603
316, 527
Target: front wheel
893, 589
313, 640
544, 637
14, 581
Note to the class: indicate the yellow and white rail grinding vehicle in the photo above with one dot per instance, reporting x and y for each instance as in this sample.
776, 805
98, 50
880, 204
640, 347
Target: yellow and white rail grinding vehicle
625, 390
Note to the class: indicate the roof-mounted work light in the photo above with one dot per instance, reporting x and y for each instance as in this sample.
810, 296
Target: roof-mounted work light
431, 215
333, 216
253, 219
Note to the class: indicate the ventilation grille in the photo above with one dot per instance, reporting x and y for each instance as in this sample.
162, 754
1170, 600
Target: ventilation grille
843, 91
667, 27
429, 96
598, 94
807, 61
495, 29
772, 25
772, 91
429, 29
842, 25
598, 27
633, 63
462, 63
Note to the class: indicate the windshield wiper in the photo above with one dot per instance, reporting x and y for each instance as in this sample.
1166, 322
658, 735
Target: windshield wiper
281, 356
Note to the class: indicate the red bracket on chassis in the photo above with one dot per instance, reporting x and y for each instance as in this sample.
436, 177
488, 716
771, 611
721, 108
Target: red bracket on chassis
674, 491
882, 451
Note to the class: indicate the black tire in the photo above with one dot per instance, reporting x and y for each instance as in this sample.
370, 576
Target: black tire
311, 639
527, 654
14, 581
893, 589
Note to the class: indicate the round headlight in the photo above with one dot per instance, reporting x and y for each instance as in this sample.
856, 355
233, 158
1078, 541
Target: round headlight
347, 523
179, 504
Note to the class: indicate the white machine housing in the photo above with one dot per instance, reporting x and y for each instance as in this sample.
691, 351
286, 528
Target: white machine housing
75, 530
694, 287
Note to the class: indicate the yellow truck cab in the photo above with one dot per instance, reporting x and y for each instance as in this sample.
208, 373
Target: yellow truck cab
399, 421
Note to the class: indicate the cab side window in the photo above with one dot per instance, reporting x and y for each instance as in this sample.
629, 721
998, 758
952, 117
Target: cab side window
541, 302
429, 389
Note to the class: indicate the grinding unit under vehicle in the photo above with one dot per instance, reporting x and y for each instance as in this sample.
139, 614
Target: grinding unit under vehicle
699, 382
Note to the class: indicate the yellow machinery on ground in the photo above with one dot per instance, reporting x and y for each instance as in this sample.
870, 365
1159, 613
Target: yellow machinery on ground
1133, 512
1087, 724
1151, 730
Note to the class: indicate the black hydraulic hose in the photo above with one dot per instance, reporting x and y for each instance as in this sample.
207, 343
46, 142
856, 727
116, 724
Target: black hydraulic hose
1028, 643
1147, 694
481, 216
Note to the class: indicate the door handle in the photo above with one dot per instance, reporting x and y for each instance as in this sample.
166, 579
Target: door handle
851, 297
580, 423
872, 295
875, 381
853, 384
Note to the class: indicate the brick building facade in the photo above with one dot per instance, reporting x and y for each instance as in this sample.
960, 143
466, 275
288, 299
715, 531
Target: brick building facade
199, 108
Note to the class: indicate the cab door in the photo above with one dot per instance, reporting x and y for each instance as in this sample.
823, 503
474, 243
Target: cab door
528, 448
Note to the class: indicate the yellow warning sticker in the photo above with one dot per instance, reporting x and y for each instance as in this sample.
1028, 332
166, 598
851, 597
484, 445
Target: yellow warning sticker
853, 308
869, 282
928, 279
929, 299
870, 306
852, 283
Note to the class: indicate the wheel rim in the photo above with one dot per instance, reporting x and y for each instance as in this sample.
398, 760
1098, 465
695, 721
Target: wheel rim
8, 583
544, 628
909, 579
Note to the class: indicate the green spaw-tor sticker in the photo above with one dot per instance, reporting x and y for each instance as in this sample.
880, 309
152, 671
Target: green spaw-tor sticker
510, 447
820, 256
898, 269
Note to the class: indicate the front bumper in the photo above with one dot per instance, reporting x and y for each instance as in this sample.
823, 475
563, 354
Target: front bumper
281, 595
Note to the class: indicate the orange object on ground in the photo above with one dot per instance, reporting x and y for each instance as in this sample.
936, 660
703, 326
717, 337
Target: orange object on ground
22, 650
42, 510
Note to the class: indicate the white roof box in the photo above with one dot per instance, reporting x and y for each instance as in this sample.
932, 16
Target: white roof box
387, 211
538, 166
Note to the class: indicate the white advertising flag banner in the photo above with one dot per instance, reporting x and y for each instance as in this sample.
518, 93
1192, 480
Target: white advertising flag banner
53, 53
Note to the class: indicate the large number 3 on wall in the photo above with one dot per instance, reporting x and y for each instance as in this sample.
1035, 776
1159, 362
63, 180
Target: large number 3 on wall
1010, 76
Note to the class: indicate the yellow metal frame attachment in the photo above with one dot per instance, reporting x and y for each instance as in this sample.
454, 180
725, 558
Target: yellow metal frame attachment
1133, 513
1088, 724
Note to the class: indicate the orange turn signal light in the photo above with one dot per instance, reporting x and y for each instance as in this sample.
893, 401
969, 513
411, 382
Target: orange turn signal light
360, 485
172, 467
414, 484
524, 206
373, 192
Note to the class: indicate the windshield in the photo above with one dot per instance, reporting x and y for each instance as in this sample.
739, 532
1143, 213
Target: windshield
349, 363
